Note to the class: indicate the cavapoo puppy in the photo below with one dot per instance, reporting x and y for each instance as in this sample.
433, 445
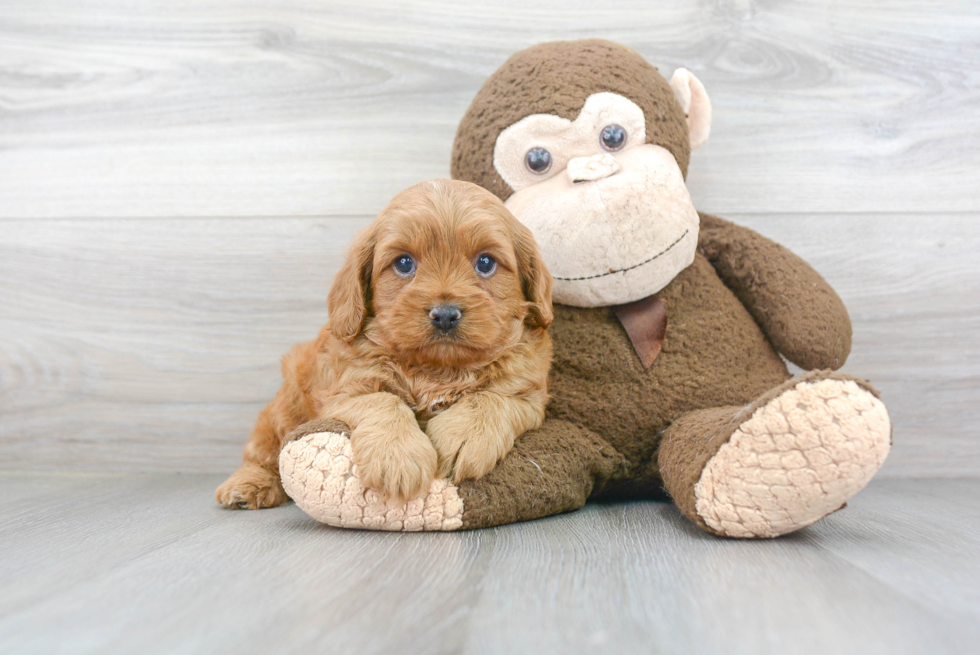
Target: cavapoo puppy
436, 353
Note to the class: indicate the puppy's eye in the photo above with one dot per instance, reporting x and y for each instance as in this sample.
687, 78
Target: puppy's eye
404, 266
485, 265
538, 160
612, 137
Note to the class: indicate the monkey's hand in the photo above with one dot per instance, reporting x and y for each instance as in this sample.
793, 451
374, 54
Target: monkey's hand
801, 314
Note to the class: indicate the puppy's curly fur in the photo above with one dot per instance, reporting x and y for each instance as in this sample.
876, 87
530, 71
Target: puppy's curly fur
421, 397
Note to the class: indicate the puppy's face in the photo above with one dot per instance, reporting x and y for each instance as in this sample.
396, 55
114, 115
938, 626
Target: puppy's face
445, 276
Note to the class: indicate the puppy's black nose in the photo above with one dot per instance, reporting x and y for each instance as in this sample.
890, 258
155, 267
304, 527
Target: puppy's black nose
445, 317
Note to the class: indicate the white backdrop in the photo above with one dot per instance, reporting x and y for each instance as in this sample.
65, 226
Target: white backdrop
179, 181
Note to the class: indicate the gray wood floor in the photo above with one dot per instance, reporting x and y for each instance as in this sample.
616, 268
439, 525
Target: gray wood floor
147, 563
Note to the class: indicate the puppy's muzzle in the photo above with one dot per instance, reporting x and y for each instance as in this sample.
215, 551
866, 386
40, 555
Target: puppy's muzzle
445, 317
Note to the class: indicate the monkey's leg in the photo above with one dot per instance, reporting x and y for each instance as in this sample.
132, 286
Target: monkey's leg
550, 470
780, 463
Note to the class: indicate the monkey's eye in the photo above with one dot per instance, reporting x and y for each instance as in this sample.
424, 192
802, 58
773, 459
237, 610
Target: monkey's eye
538, 160
485, 265
404, 266
612, 137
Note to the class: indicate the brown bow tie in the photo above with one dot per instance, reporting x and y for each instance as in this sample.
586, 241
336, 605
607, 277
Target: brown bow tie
646, 324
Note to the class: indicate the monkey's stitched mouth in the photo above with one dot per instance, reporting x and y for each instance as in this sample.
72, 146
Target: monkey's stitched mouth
628, 268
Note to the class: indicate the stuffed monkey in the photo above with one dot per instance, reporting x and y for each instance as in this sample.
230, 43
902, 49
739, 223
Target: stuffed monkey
668, 333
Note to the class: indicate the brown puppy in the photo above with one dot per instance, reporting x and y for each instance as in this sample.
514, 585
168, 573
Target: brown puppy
436, 354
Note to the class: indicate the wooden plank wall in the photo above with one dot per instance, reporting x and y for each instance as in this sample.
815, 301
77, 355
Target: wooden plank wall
178, 181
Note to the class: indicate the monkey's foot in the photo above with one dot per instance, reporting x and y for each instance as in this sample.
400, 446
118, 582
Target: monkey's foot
792, 458
319, 474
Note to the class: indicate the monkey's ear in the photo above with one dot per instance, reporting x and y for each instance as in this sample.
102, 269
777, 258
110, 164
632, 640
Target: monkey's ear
348, 299
536, 280
694, 101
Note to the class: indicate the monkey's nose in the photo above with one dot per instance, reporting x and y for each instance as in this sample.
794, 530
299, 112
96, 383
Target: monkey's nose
445, 317
590, 169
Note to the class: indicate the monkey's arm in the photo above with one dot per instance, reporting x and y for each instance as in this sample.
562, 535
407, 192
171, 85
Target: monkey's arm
796, 308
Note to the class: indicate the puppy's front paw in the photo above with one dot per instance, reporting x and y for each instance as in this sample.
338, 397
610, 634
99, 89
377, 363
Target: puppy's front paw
399, 467
474, 460
469, 452
251, 487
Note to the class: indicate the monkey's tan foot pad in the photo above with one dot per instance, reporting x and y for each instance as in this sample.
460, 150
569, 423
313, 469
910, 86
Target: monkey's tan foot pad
319, 474
798, 458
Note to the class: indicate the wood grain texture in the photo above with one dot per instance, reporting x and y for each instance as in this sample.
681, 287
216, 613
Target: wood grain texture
148, 564
178, 182
275, 108
151, 345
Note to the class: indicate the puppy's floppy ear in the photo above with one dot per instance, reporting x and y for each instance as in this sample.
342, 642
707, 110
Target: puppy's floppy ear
536, 280
347, 303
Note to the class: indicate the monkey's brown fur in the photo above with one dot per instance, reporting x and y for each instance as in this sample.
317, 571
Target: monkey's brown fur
743, 301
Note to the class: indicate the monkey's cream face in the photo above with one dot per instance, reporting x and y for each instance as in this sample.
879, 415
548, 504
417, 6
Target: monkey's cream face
611, 213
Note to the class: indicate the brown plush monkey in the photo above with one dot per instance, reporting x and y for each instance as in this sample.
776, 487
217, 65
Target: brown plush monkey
668, 330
